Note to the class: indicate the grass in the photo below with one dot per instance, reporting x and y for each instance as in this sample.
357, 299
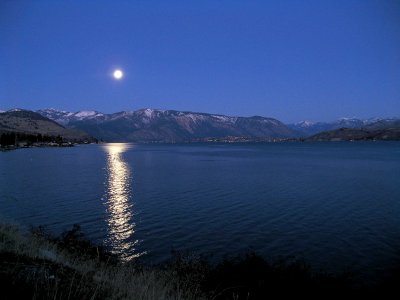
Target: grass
35, 265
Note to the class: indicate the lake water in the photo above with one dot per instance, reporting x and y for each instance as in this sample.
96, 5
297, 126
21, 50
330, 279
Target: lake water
336, 205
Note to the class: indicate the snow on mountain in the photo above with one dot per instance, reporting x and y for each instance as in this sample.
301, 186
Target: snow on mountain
148, 112
225, 118
167, 125
87, 113
64, 117
17, 109
270, 121
310, 128
155, 124
348, 119
304, 124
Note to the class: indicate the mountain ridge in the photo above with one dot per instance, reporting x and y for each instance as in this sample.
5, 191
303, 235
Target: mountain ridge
354, 134
308, 128
156, 125
26, 122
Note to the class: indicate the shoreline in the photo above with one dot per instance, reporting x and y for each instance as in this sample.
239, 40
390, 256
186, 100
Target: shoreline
37, 264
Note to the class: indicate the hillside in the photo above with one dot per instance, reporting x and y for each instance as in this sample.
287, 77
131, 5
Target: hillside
349, 134
152, 125
31, 123
307, 128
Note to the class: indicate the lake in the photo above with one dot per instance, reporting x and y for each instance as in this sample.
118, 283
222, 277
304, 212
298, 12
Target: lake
336, 205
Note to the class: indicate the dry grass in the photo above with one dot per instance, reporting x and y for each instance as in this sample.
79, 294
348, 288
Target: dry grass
36, 267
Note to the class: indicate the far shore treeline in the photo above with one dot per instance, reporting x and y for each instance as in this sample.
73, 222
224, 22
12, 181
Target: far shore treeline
13, 139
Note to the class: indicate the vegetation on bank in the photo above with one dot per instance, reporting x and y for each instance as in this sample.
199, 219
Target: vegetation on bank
357, 134
36, 265
12, 140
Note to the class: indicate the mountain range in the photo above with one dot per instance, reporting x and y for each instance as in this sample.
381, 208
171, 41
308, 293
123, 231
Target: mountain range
155, 125
307, 128
362, 134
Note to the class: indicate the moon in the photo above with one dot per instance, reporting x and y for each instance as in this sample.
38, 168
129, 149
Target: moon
118, 74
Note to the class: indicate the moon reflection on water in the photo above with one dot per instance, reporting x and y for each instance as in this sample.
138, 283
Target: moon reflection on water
121, 226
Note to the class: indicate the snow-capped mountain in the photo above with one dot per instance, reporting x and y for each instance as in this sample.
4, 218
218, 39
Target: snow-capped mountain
308, 128
167, 125
64, 117
170, 125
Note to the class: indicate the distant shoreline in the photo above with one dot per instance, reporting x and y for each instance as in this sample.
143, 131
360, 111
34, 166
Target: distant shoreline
42, 145
210, 142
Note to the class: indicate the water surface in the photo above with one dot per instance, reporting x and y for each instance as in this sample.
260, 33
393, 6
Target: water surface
337, 205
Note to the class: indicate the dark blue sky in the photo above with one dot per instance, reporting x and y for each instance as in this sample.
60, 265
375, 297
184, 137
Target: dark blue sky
292, 60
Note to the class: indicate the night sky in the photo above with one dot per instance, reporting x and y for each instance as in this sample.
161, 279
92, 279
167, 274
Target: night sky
291, 60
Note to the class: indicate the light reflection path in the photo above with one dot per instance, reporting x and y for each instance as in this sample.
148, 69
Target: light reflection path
120, 221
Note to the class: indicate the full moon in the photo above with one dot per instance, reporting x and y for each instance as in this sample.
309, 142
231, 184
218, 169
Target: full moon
118, 74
